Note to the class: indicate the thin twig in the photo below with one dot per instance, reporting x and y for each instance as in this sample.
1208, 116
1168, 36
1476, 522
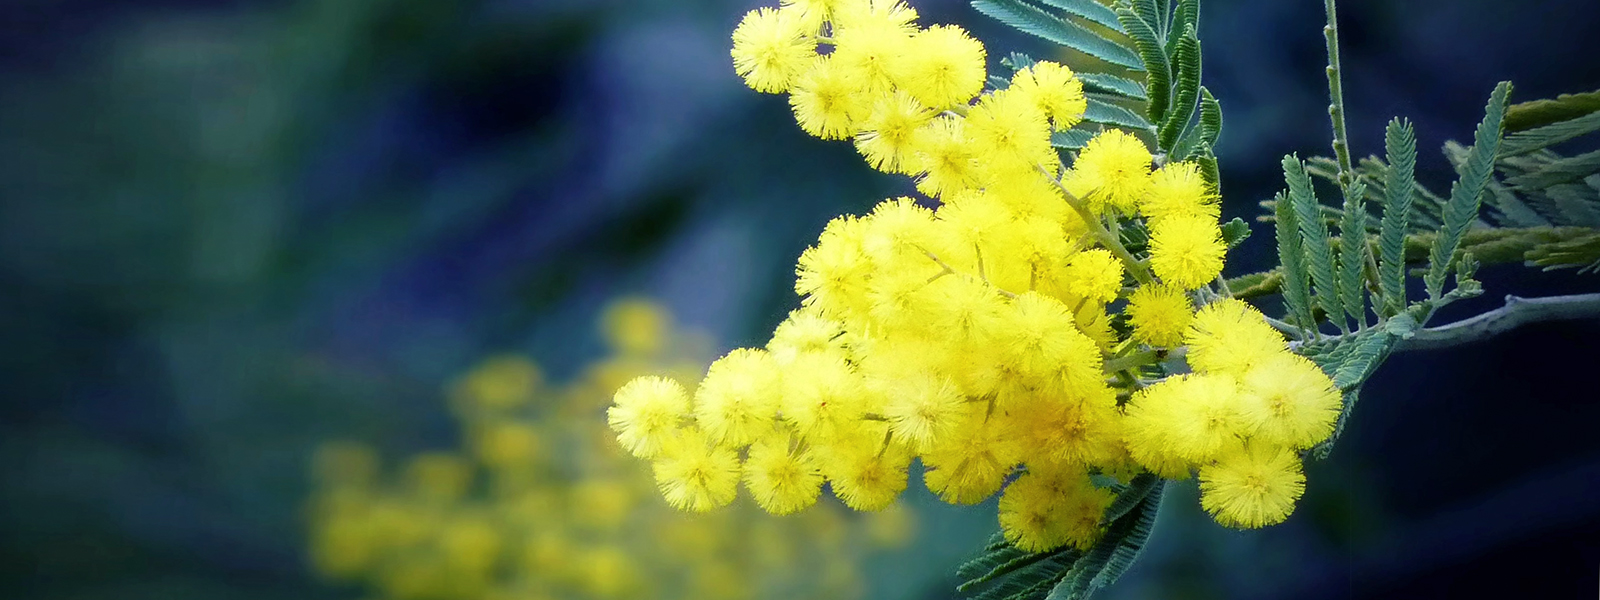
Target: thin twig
1517, 311
1140, 272
1341, 140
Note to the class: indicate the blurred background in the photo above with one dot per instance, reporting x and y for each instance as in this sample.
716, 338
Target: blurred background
233, 231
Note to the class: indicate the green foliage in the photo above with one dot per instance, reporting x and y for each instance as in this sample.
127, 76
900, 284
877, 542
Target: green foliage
1158, 70
1354, 254
1538, 113
1090, 10
1466, 193
1100, 111
1187, 57
1033, 20
1069, 573
1532, 140
1111, 84
1400, 145
1292, 258
1314, 233
1235, 232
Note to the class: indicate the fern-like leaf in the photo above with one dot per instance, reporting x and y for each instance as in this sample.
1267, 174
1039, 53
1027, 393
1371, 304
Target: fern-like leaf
1090, 10
1538, 113
1071, 139
1013, 563
1207, 161
1400, 146
1028, 583
1557, 172
1291, 254
1532, 140
1111, 84
1187, 57
1033, 20
1157, 68
1318, 248
1467, 192
1353, 253
1100, 111
1185, 14
1210, 117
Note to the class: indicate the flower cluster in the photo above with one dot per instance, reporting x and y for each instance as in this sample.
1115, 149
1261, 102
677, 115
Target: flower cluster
999, 331
541, 503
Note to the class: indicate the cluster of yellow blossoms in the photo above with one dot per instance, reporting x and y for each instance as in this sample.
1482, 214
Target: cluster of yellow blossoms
541, 503
1006, 337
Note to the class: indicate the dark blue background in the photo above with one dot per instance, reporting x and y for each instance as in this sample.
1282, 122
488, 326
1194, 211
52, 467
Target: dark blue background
229, 230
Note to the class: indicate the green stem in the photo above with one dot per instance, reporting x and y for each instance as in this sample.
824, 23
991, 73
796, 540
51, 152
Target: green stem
1110, 241
1341, 140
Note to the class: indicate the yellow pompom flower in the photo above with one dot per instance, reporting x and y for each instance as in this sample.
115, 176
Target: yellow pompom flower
1045, 509
771, 49
857, 13
1189, 417
813, 13
1230, 336
646, 413
827, 102
897, 229
886, 136
1254, 487
865, 478
1010, 135
1071, 430
1055, 90
1094, 274
965, 309
783, 480
1289, 401
946, 157
803, 331
972, 219
922, 409
1043, 339
943, 67
1112, 172
1186, 251
971, 465
1160, 315
831, 275
738, 399
1178, 190
695, 474
870, 46
824, 397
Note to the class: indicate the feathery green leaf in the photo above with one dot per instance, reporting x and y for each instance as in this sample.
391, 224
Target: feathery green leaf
1467, 192
1538, 113
1033, 20
1291, 254
1353, 253
1235, 232
1185, 14
1318, 248
1158, 70
1111, 84
1400, 146
1565, 170
1184, 101
1090, 10
1208, 167
1210, 117
1071, 139
1531, 140
1100, 111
